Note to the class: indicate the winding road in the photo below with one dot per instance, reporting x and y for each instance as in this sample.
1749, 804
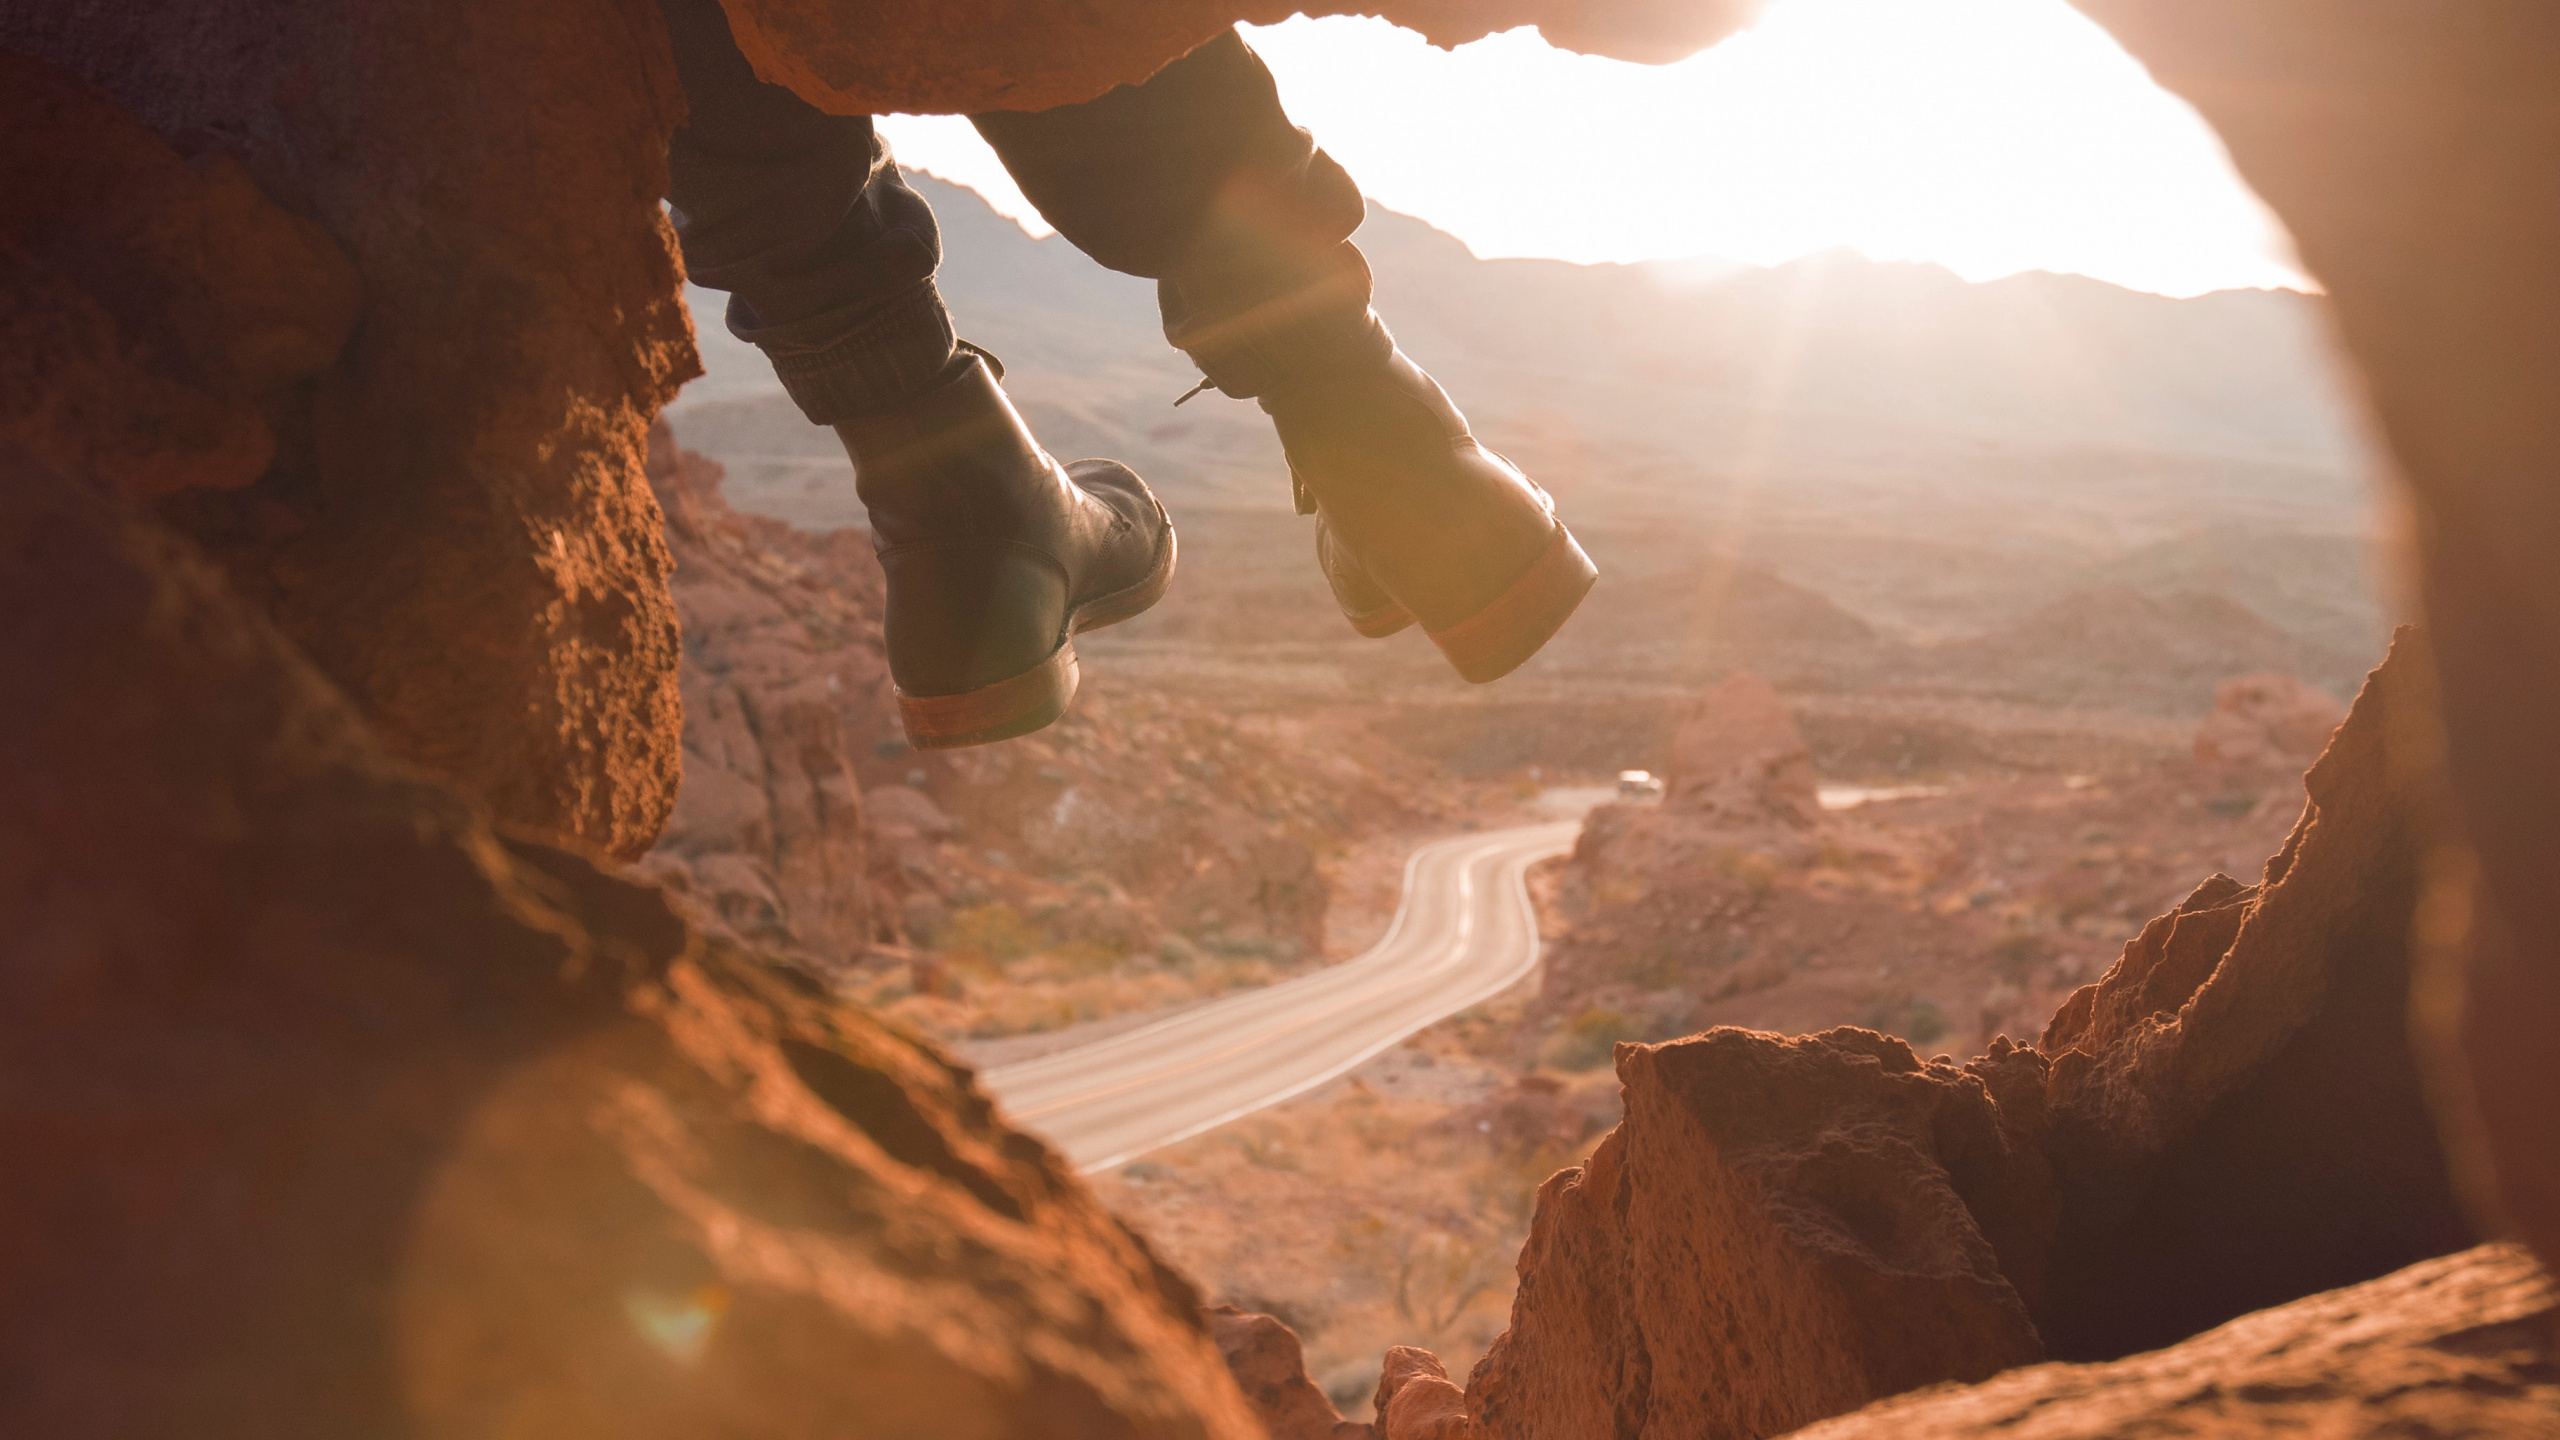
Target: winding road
1464, 932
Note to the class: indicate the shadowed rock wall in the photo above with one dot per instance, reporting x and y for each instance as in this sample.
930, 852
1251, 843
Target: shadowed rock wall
2410, 148
450, 519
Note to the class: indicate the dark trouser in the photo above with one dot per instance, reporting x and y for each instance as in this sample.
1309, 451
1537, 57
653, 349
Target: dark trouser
1194, 179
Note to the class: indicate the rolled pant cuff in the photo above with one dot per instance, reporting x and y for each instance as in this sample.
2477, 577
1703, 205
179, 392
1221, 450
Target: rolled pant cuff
859, 360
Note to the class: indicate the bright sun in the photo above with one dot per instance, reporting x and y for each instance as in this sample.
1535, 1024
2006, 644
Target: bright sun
1989, 136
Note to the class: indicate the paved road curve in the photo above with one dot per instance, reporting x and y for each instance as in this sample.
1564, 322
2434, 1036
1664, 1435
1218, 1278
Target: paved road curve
1464, 933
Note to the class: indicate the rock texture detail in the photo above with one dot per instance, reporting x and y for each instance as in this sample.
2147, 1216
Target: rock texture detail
2455, 1346
2406, 155
449, 517
780, 652
2236, 1116
1780, 1230
332, 1111
1271, 1368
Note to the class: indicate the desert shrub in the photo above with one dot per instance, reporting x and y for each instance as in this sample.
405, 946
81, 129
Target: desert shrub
1432, 1273
1586, 1041
1926, 1024
1750, 869
2015, 957
993, 931
1231, 946
1087, 957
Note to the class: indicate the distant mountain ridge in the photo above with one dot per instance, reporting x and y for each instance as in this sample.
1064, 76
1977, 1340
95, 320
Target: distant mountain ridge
1646, 353
1909, 478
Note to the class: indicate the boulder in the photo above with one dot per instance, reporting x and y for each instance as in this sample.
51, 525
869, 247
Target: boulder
1780, 1230
2460, 1345
1740, 758
2266, 722
330, 1109
1270, 1367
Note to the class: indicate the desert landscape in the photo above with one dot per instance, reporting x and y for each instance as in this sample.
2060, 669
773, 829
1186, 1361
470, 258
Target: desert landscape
1952, 688
486, 961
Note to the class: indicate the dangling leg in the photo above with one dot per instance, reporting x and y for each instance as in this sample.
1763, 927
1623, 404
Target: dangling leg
1197, 180
995, 554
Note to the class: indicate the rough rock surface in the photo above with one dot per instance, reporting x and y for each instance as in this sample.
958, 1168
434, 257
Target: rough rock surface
331, 1111
2460, 1345
2268, 722
154, 302
938, 56
1271, 1368
453, 523
2408, 154
2235, 1114
1739, 757
782, 667
1780, 1230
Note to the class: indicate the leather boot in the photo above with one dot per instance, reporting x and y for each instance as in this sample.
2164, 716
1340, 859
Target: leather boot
1416, 519
996, 557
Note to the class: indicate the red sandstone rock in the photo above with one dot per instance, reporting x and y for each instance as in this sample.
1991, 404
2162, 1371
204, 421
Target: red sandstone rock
1415, 1399
1740, 758
780, 654
2408, 155
1781, 1229
2270, 721
1270, 1368
330, 1111
959, 56
455, 527
2236, 1119
184, 282
2460, 1345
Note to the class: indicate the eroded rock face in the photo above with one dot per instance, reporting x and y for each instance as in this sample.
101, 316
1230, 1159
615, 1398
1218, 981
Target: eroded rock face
450, 517
1270, 1366
2407, 156
1781, 1229
154, 303
331, 1111
2460, 1345
2266, 722
768, 833
2236, 1117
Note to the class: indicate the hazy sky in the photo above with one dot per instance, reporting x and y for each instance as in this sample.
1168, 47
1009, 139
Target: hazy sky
1990, 136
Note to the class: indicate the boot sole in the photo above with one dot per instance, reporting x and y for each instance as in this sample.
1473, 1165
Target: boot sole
1496, 640
1035, 698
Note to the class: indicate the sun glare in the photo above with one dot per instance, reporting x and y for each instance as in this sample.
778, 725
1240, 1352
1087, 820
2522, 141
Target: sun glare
1988, 136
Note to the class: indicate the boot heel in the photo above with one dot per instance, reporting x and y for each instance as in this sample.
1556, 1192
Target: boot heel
1494, 641
1015, 706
